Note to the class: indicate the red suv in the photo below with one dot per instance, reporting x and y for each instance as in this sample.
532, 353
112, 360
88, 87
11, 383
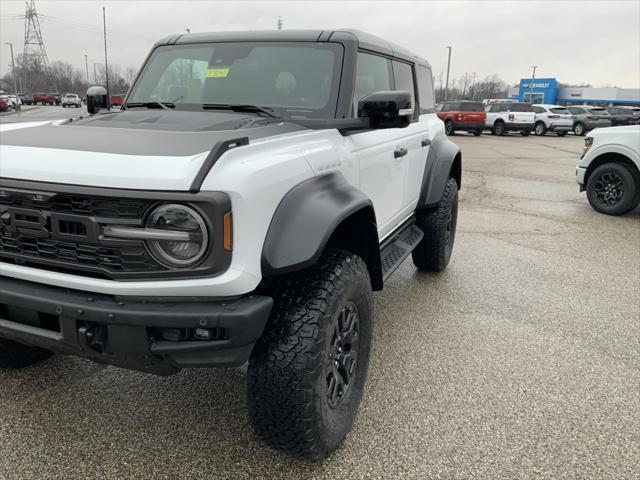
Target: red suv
462, 115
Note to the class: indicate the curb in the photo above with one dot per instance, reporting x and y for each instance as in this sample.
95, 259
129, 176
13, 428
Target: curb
23, 110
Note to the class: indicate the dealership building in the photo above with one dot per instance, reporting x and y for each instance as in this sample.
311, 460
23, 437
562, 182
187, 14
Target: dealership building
546, 90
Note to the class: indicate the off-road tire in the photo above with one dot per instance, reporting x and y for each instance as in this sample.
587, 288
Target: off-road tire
579, 129
289, 369
439, 226
499, 129
477, 132
613, 173
540, 129
525, 133
448, 128
16, 355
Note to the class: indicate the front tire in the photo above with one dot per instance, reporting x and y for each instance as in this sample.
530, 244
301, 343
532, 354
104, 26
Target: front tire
448, 127
307, 373
541, 129
499, 129
15, 355
439, 226
612, 189
579, 129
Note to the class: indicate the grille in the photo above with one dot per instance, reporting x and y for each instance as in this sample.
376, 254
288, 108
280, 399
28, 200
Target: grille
126, 258
78, 205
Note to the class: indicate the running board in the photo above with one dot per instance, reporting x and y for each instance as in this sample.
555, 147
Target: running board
398, 247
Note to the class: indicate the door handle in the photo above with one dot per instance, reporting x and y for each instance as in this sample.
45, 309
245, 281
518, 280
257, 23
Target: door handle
400, 152
425, 142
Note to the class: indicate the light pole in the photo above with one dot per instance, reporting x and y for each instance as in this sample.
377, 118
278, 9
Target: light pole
13, 69
86, 65
533, 79
106, 63
446, 85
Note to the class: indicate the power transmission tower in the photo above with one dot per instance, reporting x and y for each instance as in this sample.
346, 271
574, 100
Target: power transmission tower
33, 43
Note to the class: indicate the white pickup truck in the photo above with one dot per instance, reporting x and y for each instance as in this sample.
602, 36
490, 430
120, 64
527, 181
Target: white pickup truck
609, 169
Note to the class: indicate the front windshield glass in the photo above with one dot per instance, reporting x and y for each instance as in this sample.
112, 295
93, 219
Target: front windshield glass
295, 79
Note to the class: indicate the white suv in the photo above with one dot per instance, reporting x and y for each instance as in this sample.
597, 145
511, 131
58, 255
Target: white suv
609, 169
552, 118
242, 206
71, 100
506, 117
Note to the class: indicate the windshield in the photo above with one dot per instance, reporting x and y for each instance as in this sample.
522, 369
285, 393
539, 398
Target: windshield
296, 80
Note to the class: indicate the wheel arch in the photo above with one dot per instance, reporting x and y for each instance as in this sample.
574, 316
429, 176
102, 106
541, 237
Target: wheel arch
319, 213
611, 157
444, 160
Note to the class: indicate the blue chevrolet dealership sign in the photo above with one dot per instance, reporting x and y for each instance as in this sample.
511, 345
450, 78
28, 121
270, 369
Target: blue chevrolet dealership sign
543, 90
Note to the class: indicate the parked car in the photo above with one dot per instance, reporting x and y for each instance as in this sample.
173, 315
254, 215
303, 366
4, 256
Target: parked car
586, 118
552, 118
609, 169
40, 98
116, 99
621, 116
53, 99
247, 218
14, 100
4, 104
462, 115
27, 99
71, 100
503, 117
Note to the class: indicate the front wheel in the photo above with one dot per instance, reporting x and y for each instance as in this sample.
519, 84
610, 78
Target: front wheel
541, 129
499, 129
579, 129
439, 226
307, 373
16, 355
448, 127
613, 189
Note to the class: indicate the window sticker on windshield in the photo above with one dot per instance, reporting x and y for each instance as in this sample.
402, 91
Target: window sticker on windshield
220, 72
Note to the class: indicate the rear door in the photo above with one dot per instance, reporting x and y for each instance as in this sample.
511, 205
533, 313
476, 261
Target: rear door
471, 112
521, 114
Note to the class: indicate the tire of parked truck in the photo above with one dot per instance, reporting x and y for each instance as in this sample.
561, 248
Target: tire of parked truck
448, 127
307, 373
439, 226
579, 129
561, 134
525, 133
477, 132
499, 129
16, 355
540, 129
612, 189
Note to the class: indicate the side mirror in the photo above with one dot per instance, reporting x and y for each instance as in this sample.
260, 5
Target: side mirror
386, 109
97, 99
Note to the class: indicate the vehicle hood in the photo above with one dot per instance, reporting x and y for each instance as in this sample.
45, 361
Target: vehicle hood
141, 149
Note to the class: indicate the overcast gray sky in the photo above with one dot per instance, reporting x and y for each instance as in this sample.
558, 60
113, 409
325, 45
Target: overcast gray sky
596, 42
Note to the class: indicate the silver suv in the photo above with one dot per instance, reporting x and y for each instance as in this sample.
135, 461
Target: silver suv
586, 118
552, 118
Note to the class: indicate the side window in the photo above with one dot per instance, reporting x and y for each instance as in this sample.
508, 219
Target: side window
372, 75
403, 76
539, 110
574, 110
425, 89
439, 107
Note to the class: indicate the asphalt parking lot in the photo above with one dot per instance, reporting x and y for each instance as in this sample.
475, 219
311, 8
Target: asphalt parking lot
522, 360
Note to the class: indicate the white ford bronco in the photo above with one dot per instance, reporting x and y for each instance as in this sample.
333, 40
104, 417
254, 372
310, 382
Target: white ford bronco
241, 207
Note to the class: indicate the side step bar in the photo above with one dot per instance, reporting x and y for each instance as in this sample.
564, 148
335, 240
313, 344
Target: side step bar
398, 247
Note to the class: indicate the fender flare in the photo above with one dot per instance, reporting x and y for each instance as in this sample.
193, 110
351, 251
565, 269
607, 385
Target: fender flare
305, 219
443, 160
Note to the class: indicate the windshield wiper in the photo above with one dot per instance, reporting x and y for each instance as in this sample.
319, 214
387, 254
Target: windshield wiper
241, 108
151, 104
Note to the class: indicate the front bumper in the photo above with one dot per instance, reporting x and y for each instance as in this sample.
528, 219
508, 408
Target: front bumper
581, 172
149, 334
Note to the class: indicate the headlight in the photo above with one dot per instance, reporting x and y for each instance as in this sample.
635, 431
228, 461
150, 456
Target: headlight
179, 219
588, 141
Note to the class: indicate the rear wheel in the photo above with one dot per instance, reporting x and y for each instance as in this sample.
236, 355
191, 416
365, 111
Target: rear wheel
439, 226
16, 355
448, 127
540, 129
579, 129
307, 373
499, 129
613, 189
